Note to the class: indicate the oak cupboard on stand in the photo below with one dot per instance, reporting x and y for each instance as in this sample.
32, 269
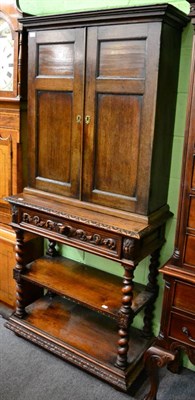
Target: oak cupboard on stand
13, 121
101, 103
177, 331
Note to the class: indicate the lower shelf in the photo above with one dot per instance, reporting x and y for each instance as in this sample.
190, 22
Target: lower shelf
81, 336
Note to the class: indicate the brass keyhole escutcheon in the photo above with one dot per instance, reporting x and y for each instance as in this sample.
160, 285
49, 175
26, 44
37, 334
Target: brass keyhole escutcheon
87, 119
78, 119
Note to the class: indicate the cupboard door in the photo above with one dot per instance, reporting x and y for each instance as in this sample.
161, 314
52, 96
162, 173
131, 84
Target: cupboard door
121, 82
56, 79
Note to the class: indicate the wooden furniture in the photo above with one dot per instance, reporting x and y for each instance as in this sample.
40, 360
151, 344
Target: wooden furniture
102, 94
177, 330
12, 103
12, 116
13, 132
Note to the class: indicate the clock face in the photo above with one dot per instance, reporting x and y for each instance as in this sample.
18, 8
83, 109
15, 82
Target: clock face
6, 57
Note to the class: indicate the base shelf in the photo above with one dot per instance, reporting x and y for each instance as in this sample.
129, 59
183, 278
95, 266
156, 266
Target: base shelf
52, 323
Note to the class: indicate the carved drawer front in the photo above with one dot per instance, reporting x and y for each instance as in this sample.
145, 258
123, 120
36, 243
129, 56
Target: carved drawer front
184, 297
189, 255
73, 233
182, 328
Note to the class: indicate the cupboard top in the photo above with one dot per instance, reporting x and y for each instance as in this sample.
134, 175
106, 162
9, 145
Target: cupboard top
159, 12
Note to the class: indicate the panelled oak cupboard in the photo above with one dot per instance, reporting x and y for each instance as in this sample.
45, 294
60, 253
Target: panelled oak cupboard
101, 104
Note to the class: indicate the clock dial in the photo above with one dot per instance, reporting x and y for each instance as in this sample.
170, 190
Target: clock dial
6, 57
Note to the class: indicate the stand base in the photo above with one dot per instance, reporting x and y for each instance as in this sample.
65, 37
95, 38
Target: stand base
80, 346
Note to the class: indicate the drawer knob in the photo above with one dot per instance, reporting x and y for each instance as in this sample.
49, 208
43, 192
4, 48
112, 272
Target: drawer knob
187, 333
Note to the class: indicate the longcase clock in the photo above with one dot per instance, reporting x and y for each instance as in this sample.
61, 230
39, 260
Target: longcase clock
13, 66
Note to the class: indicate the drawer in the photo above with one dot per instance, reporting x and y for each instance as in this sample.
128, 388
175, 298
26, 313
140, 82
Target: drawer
182, 328
184, 297
191, 220
193, 175
72, 233
189, 255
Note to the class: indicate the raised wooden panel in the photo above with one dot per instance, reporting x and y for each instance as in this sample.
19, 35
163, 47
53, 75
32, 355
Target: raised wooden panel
56, 92
5, 166
54, 137
56, 60
125, 59
116, 155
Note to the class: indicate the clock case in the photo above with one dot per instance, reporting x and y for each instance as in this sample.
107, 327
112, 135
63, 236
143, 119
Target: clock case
13, 134
10, 13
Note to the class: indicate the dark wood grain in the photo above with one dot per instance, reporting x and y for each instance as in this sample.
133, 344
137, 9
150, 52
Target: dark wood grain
184, 291
54, 147
13, 152
178, 323
64, 319
55, 100
101, 107
109, 74
86, 285
126, 118
177, 330
56, 60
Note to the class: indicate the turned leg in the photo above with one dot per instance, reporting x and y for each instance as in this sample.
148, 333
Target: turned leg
152, 286
155, 358
18, 270
51, 250
125, 318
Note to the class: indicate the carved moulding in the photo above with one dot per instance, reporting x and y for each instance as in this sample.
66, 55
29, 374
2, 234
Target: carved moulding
79, 219
155, 358
70, 231
158, 356
190, 351
67, 354
129, 247
124, 320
